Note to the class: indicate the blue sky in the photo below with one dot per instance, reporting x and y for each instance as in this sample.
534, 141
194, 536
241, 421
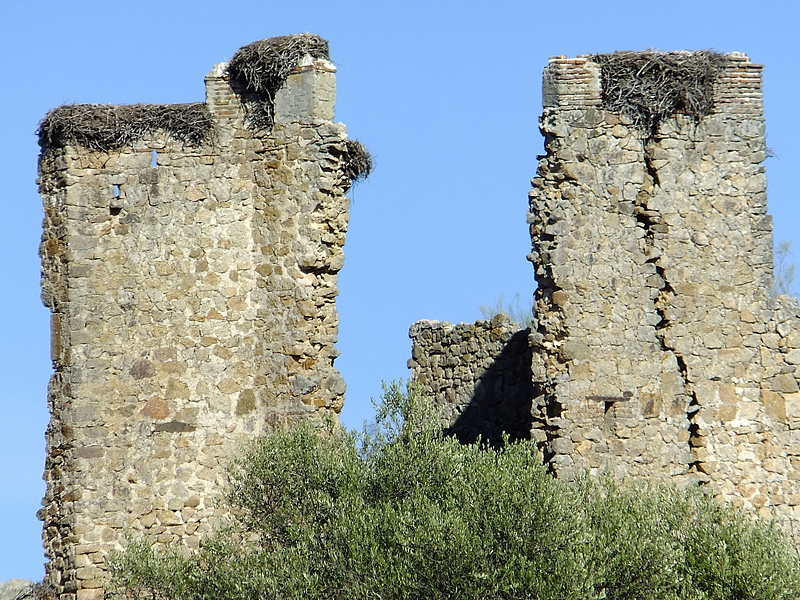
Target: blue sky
445, 95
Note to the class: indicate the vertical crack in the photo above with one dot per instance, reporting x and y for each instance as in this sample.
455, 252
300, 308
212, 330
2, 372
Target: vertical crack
654, 227
692, 410
651, 169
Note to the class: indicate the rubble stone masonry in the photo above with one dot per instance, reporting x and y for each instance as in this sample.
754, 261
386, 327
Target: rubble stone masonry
193, 283
658, 347
192, 289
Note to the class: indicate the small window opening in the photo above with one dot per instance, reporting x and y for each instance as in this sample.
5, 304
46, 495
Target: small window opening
116, 202
154, 158
609, 417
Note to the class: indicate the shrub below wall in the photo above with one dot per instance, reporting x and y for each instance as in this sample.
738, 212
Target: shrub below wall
401, 512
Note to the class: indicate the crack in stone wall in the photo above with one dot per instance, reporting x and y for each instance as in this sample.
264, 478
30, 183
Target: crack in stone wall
654, 226
657, 348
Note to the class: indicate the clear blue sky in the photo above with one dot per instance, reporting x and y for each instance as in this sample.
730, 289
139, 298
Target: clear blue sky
446, 96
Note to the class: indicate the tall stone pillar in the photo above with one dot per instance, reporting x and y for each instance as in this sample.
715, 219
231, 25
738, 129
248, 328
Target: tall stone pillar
667, 352
190, 258
615, 395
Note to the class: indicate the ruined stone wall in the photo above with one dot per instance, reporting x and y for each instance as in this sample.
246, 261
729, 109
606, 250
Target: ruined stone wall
658, 347
479, 374
192, 289
616, 391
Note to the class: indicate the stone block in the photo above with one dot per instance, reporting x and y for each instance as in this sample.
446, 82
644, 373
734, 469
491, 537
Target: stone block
784, 383
792, 407
727, 412
774, 405
308, 95
95, 593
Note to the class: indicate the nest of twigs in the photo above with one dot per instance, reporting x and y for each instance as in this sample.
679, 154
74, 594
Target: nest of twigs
650, 86
257, 71
357, 161
108, 127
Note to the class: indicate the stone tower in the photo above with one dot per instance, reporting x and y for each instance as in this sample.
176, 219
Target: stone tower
190, 258
657, 347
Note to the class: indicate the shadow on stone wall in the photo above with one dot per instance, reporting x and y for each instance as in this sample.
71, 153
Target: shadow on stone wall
502, 399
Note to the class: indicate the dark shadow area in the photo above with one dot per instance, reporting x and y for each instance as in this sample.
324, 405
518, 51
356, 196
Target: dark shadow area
502, 399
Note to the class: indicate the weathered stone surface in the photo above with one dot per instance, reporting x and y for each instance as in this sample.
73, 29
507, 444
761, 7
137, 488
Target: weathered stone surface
657, 347
193, 294
479, 374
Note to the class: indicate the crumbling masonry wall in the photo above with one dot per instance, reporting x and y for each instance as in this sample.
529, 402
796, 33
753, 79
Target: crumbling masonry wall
480, 374
192, 287
658, 348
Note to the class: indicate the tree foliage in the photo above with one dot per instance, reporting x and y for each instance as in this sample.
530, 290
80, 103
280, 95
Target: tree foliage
400, 511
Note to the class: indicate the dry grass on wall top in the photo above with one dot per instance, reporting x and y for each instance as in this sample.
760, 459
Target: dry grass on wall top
650, 86
258, 70
108, 127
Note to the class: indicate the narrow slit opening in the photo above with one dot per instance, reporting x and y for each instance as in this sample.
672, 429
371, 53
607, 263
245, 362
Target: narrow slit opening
154, 158
116, 191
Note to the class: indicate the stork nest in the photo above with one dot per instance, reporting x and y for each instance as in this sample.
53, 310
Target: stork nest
650, 86
109, 127
257, 71
357, 161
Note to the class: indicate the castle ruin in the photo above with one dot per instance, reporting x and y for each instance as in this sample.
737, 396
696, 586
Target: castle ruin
658, 348
190, 258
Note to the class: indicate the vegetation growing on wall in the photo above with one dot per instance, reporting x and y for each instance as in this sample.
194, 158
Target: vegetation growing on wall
520, 313
402, 512
108, 127
650, 86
